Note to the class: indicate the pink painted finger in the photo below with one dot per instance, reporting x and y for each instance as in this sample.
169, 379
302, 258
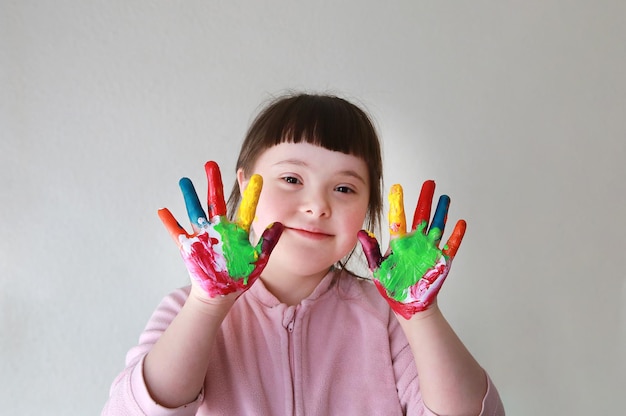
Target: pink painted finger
172, 226
424, 203
454, 242
397, 218
371, 249
216, 203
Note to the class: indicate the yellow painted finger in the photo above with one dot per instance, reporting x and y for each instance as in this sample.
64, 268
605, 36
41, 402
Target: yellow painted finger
397, 218
247, 208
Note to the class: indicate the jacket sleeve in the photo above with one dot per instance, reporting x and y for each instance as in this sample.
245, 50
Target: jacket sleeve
129, 394
407, 381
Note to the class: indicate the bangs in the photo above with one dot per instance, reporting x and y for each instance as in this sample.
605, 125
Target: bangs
328, 122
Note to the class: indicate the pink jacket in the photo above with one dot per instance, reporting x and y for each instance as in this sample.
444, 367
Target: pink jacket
340, 351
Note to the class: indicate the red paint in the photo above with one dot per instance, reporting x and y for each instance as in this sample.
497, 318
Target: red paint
215, 191
208, 268
201, 262
424, 203
406, 310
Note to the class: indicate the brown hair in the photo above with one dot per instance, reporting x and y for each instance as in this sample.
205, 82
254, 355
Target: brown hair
323, 120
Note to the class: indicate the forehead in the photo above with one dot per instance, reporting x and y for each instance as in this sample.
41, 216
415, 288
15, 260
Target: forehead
312, 157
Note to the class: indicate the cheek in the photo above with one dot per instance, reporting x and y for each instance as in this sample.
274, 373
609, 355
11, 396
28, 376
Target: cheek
354, 220
266, 213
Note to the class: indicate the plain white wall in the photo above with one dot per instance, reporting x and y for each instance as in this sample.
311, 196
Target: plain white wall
516, 108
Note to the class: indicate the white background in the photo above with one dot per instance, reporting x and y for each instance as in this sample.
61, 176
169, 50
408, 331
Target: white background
516, 108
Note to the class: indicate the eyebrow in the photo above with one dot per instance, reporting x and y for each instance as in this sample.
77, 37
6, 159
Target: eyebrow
299, 162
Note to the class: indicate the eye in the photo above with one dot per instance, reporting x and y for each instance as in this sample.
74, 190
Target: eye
291, 179
344, 189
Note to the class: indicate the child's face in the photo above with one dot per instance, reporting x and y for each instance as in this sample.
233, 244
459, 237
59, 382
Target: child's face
320, 196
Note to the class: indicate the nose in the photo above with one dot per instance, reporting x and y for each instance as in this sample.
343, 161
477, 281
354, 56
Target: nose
317, 205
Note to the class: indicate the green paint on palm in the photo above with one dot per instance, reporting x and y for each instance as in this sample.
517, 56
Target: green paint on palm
412, 255
240, 255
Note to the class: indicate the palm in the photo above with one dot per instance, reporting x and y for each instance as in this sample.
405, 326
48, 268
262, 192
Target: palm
218, 254
412, 273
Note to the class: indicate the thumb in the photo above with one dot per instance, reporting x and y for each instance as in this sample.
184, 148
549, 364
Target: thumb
371, 248
269, 238
266, 245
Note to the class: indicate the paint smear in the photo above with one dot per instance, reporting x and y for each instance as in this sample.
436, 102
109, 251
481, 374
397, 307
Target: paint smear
239, 254
412, 258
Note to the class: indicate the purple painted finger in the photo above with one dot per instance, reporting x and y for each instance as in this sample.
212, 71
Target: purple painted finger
269, 239
371, 248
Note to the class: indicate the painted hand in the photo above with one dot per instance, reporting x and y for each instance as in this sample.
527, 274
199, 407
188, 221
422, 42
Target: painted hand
410, 275
218, 254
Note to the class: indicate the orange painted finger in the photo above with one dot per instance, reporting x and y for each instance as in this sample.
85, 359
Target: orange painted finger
216, 204
172, 226
397, 218
424, 203
454, 242
249, 201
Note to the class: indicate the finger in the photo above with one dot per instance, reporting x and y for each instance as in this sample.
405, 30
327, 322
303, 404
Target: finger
172, 226
397, 219
216, 204
371, 248
454, 242
440, 217
270, 237
249, 201
196, 214
422, 210
268, 241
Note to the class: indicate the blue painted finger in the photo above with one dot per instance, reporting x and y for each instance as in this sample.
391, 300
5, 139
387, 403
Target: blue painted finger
441, 215
196, 214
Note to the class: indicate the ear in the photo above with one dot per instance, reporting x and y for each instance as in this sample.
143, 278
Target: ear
242, 180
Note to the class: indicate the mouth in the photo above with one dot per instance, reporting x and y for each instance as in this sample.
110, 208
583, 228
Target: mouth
310, 234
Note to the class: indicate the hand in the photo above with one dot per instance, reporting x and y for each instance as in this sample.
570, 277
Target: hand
410, 275
218, 254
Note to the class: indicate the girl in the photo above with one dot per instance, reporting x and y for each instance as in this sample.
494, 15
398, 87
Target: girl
273, 322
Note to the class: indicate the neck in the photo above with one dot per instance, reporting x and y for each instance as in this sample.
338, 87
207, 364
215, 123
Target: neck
291, 288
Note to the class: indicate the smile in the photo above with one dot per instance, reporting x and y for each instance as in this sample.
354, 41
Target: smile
310, 234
